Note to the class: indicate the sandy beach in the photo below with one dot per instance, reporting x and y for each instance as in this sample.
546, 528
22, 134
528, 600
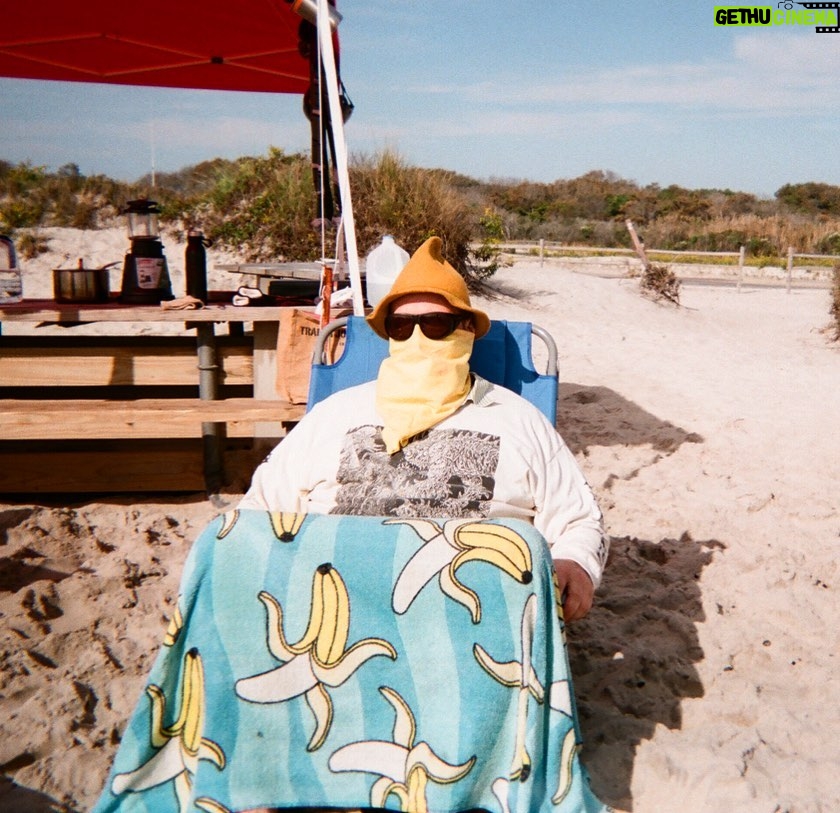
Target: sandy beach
707, 672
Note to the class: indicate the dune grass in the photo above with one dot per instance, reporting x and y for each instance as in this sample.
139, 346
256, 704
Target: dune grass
263, 207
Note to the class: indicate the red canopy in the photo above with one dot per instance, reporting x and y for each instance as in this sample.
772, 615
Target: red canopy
249, 45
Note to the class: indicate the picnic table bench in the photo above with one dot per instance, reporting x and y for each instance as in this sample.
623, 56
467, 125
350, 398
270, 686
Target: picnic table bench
72, 405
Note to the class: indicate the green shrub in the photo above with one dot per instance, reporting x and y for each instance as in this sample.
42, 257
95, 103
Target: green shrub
835, 301
761, 247
84, 215
413, 204
20, 214
261, 207
724, 240
30, 244
390, 197
21, 179
830, 244
811, 198
485, 258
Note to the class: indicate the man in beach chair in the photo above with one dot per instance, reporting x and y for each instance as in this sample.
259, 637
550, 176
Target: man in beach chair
429, 438
378, 624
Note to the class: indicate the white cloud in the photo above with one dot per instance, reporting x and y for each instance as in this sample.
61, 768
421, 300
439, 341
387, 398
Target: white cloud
771, 73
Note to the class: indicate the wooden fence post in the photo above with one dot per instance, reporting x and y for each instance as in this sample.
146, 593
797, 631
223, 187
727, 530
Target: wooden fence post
638, 244
741, 257
789, 267
542, 251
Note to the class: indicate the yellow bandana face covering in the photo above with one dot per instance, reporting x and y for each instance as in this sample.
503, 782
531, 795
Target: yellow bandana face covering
422, 382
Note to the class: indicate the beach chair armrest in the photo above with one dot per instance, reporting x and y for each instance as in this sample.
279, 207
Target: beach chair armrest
551, 347
318, 356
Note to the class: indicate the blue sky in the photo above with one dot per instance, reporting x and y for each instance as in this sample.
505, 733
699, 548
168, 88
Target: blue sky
651, 90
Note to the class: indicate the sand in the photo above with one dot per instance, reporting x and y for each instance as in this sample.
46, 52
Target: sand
707, 672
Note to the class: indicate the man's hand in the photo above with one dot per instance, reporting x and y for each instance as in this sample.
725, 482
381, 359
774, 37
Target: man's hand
575, 583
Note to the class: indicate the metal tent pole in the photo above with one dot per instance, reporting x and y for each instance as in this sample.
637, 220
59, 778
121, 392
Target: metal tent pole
337, 120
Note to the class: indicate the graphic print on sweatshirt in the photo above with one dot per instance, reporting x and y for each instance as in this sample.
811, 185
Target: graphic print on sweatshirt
441, 473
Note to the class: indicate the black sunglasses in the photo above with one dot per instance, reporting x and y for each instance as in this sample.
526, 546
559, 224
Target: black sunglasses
400, 326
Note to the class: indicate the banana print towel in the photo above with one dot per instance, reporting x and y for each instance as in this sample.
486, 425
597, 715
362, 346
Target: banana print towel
357, 662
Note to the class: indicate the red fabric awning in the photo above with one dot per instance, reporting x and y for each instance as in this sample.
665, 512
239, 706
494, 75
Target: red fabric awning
246, 45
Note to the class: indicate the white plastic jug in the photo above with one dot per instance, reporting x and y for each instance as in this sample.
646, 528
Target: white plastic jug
382, 267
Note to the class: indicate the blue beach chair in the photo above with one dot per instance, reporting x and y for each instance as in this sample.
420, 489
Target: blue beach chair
259, 738
502, 356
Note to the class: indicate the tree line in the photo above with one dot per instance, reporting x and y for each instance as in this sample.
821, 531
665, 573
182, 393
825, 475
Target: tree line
263, 206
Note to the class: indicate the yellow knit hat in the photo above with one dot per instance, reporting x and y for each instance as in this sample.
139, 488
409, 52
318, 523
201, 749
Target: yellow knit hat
428, 273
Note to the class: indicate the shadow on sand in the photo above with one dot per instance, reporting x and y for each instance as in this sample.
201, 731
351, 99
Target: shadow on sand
633, 657
598, 416
23, 800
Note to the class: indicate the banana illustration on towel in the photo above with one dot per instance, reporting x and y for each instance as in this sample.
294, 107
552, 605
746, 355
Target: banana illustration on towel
286, 524
501, 789
567, 757
229, 520
320, 659
181, 744
209, 805
522, 676
447, 548
404, 767
176, 624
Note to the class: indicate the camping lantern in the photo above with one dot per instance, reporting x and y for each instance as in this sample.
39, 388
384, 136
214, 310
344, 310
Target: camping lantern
145, 278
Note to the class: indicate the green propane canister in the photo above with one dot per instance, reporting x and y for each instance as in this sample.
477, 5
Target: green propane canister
145, 279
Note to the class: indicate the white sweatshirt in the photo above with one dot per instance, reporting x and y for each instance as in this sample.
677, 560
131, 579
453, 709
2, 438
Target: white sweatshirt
497, 456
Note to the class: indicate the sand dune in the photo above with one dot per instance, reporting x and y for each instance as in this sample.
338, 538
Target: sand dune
706, 674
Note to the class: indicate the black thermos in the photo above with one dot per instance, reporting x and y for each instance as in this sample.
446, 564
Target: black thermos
196, 264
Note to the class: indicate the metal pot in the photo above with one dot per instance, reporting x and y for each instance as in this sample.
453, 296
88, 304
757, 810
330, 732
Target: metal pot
81, 285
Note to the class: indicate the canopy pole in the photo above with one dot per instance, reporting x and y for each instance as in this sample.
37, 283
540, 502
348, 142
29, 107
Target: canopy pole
337, 120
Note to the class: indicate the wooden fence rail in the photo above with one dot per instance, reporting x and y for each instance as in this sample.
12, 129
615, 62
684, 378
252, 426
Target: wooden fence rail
545, 248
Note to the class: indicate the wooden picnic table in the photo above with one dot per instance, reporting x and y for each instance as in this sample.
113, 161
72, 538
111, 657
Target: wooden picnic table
39, 367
